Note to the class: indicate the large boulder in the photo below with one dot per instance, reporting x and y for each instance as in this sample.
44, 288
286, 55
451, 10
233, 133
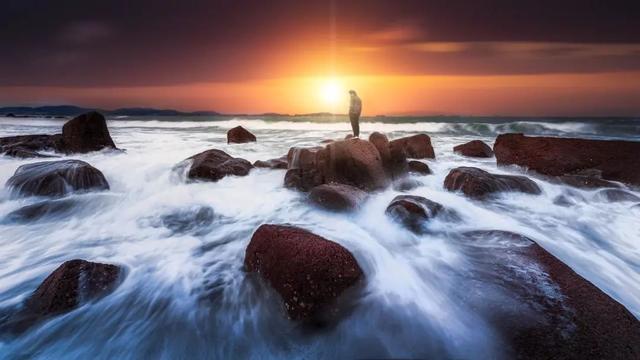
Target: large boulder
613, 159
539, 307
355, 162
56, 178
73, 283
352, 162
413, 211
477, 183
309, 272
239, 135
475, 148
213, 165
394, 158
416, 146
337, 197
85, 133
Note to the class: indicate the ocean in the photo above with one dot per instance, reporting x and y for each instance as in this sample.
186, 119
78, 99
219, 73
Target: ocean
186, 295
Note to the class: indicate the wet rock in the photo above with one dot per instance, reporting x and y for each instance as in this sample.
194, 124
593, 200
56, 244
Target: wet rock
279, 163
416, 146
355, 162
56, 178
337, 197
305, 158
616, 160
585, 181
413, 211
73, 283
27, 146
406, 184
10, 115
419, 168
547, 311
309, 272
477, 183
86, 133
239, 135
213, 165
42, 210
303, 179
23, 153
617, 195
197, 220
394, 158
475, 148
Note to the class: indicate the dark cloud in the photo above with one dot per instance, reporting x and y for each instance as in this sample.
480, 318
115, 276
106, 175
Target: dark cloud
98, 43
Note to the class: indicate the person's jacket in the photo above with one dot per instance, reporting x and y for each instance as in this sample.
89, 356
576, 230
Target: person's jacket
355, 107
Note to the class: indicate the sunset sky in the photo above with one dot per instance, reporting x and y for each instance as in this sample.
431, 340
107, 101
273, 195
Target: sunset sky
403, 57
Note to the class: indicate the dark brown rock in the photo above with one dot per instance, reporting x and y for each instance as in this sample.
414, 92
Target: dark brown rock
475, 148
309, 272
337, 197
279, 163
615, 160
239, 135
305, 158
86, 133
551, 311
56, 178
27, 146
394, 158
416, 146
477, 183
303, 179
213, 165
69, 286
413, 211
584, 181
419, 168
354, 162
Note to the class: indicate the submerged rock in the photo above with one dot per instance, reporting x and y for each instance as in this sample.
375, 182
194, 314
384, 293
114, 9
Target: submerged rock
475, 148
213, 165
416, 146
406, 184
85, 133
66, 288
419, 168
414, 212
615, 160
197, 220
617, 195
56, 178
337, 197
240, 135
309, 272
477, 183
585, 181
541, 308
41, 210
27, 146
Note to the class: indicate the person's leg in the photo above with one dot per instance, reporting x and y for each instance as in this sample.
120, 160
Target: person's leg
355, 124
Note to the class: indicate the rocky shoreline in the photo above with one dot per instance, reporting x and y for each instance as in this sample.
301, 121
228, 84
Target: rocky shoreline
312, 274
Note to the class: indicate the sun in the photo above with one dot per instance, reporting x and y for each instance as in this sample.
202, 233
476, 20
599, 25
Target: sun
332, 92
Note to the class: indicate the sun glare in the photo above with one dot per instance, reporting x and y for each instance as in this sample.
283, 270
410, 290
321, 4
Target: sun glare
331, 92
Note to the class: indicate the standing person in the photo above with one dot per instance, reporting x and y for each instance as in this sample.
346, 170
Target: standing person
355, 108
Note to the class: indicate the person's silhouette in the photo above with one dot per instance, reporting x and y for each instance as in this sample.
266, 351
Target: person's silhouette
355, 108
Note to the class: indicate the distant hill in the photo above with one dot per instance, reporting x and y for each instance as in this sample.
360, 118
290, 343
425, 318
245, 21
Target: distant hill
70, 110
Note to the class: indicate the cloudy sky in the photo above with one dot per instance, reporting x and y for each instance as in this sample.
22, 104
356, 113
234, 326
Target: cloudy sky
403, 56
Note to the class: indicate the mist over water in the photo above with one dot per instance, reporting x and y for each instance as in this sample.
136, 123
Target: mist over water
186, 294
